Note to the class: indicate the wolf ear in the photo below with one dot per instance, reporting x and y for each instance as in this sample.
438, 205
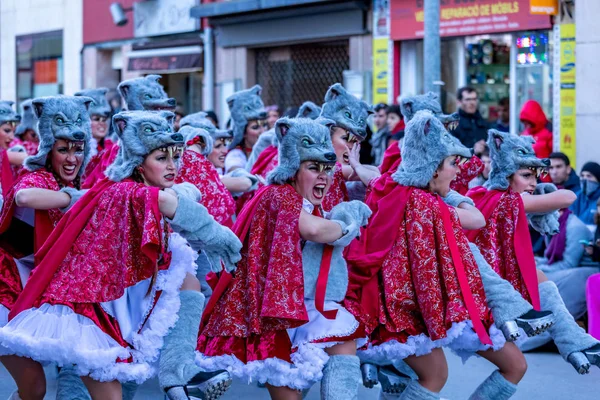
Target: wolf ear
124, 89
406, 106
432, 95
120, 122
256, 89
103, 91
326, 122
86, 101
169, 116
427, 127
498, 141
282, 127
334, 91
369, 109
154, 78
9, 102
38, 106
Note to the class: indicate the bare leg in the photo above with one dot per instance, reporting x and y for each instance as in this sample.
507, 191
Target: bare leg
283, 393
28, 375
103, 390
342, 349
510, 362
432, 369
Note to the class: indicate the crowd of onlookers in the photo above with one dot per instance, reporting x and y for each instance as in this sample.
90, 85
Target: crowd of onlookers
568, 258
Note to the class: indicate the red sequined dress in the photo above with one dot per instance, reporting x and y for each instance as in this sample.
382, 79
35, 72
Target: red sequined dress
106, 288
248, 329
200, 172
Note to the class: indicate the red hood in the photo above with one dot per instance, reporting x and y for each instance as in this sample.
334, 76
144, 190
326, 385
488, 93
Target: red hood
532, 112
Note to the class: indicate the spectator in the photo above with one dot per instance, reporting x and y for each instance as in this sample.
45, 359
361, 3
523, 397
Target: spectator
395, 122
487, 163
273, 115
561, 173
593, 248
533, 118
503, 122
585, 205
472, 129
179, 113
593, 283
212, 117
379, 139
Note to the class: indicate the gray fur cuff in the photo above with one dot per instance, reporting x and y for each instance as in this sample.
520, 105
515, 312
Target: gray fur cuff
454, 199
74, 194
186, 218
242, 173
349, 233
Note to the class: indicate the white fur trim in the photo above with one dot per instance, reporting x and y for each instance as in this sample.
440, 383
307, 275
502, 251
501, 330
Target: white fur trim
3, 320
57, 334
468, 344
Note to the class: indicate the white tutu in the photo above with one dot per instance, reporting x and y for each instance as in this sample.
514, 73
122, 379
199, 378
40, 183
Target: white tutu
308, 360
56, 334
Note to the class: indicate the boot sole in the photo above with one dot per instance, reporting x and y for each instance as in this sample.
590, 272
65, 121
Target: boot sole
392, 383
534, 327
212, 389
369, 375
577, 361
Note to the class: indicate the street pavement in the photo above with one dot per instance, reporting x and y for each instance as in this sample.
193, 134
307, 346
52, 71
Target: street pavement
548, 378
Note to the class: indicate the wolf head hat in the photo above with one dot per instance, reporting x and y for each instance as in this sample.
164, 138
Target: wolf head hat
308, 109
7, 114
426, 144
61, 117
141, 132
28, 119
409, 105
244, 106
509, 153
346, 111
301, 139
100, 105
145, 94
193, 135
199, 120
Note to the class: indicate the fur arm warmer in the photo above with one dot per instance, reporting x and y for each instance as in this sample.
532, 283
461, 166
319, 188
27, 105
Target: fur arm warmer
454, 199
242, 173
351, 215
74, 194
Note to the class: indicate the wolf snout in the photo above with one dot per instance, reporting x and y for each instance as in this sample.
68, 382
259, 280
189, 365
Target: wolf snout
78, 135
330, 156
18, 117
262, 115
472, 151
546, 162
172, 102
178, 137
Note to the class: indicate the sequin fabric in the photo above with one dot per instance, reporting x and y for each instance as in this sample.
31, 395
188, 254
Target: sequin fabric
496, 241
266, 295
266, 162
94, 172
337, 192
418, 285
468, 171
200, 172
10, 280
108, 255
102, 151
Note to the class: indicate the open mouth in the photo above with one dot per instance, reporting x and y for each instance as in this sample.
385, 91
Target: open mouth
170, 177
450, 126
69, 169
346, 158
319, 191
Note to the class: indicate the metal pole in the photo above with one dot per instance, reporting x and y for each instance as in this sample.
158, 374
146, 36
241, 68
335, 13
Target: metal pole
209, 70
431, 47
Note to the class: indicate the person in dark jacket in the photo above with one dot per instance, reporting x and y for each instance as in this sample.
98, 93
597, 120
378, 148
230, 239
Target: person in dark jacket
561, 173
503, 122
585, 205
472, 129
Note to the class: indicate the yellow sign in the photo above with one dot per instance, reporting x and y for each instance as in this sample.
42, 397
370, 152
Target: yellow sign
543, 7
567, 92
380, 70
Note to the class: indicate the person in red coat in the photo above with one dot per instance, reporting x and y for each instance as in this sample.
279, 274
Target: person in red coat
535, 121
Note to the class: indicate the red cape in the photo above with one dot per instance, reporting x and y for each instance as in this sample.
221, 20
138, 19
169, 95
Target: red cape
123, 217
516, 242
95, 170
6, 173
468, 171
266, 161
391, 158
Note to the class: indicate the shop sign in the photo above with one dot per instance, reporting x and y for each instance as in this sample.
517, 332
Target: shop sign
465, 18
567, 92
543, 7
380, 70
165, 63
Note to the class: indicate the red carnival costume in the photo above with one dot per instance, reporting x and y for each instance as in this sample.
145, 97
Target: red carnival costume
95, 171
337, 192
30, 147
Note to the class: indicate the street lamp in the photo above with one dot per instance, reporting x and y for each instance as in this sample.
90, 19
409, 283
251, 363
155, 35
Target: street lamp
118, 13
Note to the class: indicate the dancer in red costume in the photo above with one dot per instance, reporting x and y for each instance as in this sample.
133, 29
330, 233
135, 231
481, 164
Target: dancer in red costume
113, 318
506, 202
280, 318
421, 287
26, 133
9, 160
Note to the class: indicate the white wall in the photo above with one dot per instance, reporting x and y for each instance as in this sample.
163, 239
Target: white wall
22, 17
588, 81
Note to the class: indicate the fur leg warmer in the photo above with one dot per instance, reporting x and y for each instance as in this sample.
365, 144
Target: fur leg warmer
495, 387
569, 337
341, 378
129, 390
176, 365
69, 385
204, 268
414, 391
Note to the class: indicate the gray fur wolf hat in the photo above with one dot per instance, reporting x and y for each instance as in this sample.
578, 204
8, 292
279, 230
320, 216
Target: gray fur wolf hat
28, 119
409, 105
7, 114
308, 109
61, 117
199, 120
301, 139
245, 105
145, 94
346, 110
426, 144
190, 132
140, 132
508, 154
100, 105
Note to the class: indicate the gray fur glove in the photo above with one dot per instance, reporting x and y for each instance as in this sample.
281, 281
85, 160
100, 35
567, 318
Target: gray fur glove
453, 198
351, 215
544, 223
202, 232
242, 173
74, 194
17, 149
188, 190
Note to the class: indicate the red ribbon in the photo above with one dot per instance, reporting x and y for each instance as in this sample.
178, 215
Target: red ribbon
323, 277
196, 140
462, 277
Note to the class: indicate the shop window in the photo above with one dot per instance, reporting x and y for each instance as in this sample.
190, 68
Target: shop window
39, 65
